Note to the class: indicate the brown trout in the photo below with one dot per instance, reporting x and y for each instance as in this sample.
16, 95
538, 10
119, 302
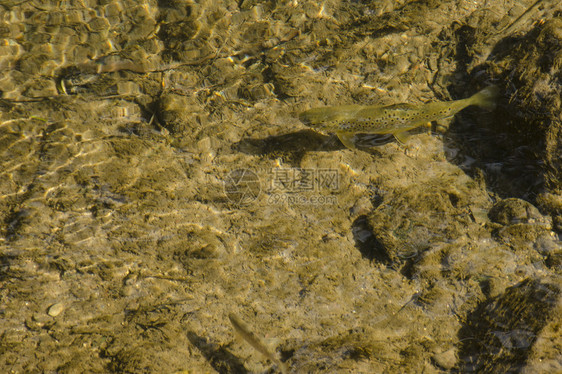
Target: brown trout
244, 331
347, 120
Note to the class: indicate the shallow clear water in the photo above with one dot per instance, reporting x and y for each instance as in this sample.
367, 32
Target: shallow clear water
155, 178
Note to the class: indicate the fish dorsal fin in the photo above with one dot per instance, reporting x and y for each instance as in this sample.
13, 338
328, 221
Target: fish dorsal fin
400, 106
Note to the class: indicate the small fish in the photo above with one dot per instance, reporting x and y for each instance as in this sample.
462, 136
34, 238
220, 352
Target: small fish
397, 119
244, 331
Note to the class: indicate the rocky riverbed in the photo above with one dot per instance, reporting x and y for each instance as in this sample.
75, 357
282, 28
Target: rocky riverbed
155, 178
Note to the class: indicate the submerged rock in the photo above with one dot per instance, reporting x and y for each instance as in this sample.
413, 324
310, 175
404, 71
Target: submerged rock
514, 210
413, 220
498, 336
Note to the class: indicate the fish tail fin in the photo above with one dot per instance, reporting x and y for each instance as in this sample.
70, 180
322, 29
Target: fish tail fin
486, 98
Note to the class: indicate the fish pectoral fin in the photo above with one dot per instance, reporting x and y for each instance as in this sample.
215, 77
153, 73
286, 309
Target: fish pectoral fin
402, 137
346, 139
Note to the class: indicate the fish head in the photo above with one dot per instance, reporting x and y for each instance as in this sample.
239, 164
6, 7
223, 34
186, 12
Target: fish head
328, 118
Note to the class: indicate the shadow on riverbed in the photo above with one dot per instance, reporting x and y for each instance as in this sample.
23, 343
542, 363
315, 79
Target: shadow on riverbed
220, 358
513, 148
515, 152
292, 147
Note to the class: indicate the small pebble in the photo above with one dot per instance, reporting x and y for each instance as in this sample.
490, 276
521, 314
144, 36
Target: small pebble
55, 309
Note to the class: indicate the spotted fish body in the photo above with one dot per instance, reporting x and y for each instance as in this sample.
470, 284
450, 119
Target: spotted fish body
397, 119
